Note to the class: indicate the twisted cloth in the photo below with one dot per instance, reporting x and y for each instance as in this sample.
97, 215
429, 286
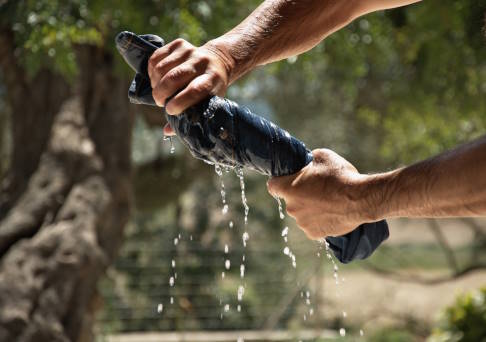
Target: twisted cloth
222, 132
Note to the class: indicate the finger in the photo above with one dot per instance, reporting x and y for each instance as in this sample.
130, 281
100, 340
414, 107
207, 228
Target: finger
200, 88
166, 64
168, 131
279, 186
160, 54
175, 79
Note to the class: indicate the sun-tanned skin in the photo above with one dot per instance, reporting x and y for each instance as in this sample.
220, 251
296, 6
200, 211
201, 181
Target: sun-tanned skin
329, 196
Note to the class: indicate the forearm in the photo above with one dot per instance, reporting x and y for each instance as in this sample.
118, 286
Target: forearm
451, 184
278, 29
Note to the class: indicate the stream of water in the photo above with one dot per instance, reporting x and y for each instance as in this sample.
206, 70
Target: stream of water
245, 238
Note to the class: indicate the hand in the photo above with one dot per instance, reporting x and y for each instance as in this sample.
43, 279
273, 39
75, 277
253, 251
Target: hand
194, 73
326, 198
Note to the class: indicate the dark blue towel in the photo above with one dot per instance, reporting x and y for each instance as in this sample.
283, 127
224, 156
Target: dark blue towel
220, 131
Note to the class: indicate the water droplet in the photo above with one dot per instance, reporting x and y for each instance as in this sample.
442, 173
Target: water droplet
239, 172
345, 314
285, 231
172, 148
222, 275
173, 263
226, 308
241, 292
190, 237
238, 308
172, 300
286, 250
245, 237
226, 249
231, 224
242, 270
227, 264
342, 332
361, 332
225, 209
171, 281
311, 311
176, 241
160, 307
307, 294
280, 209
218, 170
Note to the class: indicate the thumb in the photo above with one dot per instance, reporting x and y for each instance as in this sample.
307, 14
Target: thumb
279, 186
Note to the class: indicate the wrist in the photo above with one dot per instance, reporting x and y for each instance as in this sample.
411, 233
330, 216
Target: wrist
377, 195
238, 58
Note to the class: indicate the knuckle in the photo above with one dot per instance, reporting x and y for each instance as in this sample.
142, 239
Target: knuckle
203, 59
178, 42
291, 210
202, 87
175, 74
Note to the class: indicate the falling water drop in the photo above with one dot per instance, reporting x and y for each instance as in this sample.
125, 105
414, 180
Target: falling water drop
280, 209
286, 250
245, 237
160, 307
219, 172
227, 264
239, 172
241, 292
171, 281
169, 138
226, 249
176, 241
285, 231
172, 300
173, 264
342, 332
361, 332
242, 270
226, 308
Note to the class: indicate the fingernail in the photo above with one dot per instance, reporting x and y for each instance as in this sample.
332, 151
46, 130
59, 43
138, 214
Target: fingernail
170, 110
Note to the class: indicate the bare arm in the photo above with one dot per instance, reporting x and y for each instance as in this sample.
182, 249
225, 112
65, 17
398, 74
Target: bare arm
275, 30
278, 29
451, 184
330, 197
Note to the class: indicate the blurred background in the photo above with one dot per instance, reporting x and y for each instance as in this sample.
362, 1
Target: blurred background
105, 235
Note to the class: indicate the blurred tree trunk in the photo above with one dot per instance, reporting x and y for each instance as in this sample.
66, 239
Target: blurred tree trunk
67, 197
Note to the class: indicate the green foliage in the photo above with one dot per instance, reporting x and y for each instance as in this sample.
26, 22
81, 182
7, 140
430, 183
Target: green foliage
48, 31
391, 334
391, 88
464, 321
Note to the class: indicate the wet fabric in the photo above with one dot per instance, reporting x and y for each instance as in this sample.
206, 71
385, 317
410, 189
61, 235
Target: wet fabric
220, 131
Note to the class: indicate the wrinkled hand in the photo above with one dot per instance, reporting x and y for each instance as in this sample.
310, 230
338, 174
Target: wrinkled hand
193, 72
327, 197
